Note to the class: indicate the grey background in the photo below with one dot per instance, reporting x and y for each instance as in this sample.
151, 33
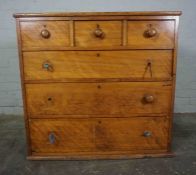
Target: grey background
10, 90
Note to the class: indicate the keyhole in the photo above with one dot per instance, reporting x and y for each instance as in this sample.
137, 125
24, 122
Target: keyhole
149, 63
99, 86
49, 98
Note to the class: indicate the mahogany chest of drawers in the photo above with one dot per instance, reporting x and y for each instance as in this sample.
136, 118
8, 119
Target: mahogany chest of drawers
98, 85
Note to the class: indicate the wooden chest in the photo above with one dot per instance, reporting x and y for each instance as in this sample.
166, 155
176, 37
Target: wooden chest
98, 85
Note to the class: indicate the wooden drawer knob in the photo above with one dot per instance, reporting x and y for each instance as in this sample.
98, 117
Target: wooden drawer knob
148, 98
99, 32
147, 133
45, 33
151, 32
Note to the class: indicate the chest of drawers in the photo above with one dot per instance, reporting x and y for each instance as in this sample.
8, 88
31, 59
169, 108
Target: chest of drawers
98, 85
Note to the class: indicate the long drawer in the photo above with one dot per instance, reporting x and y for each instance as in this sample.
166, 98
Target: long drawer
143, 65
100, 134
98, 98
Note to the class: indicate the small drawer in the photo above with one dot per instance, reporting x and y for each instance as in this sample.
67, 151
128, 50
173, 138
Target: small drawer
77, 65
98, 33
151, 34
122, 98
45, 34
92, 136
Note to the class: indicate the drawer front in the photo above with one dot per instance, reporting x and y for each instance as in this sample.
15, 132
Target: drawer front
131, 133
151, 34
98, 33
142, 65
98, 98
61, 135
45, 34
98, 135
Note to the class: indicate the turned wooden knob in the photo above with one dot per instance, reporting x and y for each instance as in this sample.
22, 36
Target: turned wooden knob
99, 33
148, 98
45, 33
151, 32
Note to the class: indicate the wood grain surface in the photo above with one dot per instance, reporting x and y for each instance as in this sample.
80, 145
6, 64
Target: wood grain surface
98, 64
85, 37
98, 135
31, 34
97, 98
70, 14
98, 85
163, 39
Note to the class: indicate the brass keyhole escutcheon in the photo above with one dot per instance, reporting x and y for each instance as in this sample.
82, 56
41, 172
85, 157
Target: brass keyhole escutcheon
52, 138
47, 66
147, 133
